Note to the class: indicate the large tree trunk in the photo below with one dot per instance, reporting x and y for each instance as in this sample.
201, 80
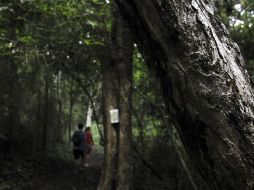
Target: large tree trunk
117, 84
109, 101
124, 49
206, 87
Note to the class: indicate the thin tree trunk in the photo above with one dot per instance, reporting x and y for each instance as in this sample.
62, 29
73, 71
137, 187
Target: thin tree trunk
182, 160
12, 79
59, 132
70, 110
174, 137
140, 123
12, 111
205, 85
45, 121
70, 119
38, 121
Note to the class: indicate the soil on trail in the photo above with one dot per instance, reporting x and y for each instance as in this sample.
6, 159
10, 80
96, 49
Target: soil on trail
61, 176
49, 173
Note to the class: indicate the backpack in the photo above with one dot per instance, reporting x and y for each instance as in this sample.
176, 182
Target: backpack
76, 139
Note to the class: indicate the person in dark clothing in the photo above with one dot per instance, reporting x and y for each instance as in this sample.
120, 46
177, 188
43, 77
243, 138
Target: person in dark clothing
79, 145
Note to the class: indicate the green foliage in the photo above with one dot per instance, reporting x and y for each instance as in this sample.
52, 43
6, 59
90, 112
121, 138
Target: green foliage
39, 39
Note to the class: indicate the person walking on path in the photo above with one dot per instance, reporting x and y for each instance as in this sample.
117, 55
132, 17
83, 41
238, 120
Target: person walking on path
89, 144
79, 145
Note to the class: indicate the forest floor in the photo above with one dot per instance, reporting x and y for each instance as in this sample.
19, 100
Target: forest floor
48, 173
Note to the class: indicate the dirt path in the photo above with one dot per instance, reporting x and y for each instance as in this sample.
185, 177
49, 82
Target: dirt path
48, 172
60, 176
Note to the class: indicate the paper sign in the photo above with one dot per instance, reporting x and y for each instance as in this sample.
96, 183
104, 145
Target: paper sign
114, 116
89, 117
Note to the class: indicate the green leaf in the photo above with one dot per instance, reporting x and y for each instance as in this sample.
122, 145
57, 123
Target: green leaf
27, 39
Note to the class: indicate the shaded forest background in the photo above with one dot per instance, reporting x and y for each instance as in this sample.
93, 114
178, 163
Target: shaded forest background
51, 56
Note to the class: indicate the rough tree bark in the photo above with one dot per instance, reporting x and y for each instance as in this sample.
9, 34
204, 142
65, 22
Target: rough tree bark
124, 54
205, 84
117, 84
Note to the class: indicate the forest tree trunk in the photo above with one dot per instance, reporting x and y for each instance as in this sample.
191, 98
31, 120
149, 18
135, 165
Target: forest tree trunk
205, 84
123, 48
71, 105
117, 84
13, 123
37, 129
46, 110
59, 130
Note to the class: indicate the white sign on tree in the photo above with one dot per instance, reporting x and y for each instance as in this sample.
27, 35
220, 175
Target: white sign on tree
114, 116
89, 117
